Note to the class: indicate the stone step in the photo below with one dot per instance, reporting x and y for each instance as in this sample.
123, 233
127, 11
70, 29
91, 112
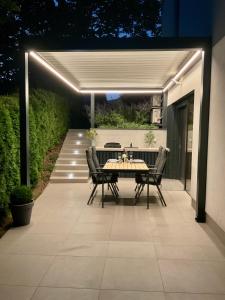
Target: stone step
70, 173
73, 151
71, 166
74, 146
71, 156
65, 179
70, 161
78, 135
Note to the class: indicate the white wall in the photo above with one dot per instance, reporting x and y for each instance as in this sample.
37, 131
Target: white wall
215, 193
127, 136
192, 80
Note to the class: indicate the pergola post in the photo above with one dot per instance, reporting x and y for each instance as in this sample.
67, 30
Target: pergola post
203, 137
24, 122
92, 110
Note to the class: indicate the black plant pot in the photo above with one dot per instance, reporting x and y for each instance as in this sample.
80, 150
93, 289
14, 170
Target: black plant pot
21, 213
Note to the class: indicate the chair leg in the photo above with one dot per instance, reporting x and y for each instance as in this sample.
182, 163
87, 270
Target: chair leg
138, 189
112, 191
138, 194
161, 196
102, 195
115, 189
92, 194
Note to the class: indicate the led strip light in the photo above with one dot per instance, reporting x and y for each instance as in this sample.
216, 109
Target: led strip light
122, 91
182, 70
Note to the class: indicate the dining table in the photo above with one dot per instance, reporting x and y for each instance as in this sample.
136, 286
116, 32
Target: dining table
128, 166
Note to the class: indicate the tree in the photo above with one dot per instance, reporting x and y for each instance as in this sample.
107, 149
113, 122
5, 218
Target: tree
23, 20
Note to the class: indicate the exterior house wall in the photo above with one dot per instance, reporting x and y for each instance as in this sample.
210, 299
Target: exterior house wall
191, 81
215, 192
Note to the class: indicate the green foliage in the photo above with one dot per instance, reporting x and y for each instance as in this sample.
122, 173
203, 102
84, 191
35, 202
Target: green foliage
91, 134
48, 120
150, 138
123, 114
21, 195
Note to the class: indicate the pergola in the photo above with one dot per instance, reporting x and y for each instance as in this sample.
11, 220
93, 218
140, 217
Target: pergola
122, 66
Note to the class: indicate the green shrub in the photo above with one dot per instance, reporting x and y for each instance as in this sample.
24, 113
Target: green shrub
21, 195
48, 121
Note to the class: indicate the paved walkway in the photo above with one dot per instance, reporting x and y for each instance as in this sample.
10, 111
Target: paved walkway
74, 251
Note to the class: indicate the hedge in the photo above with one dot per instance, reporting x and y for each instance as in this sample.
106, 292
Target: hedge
49, 120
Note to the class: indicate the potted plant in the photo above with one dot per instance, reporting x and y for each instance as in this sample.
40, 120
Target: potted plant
91, 135
21, 205
150, 138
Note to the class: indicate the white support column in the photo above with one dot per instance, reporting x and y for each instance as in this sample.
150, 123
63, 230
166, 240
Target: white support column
92, 110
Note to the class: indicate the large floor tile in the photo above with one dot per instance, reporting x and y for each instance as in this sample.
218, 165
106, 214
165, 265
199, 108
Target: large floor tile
131, 249
57, 227
25, 270
77, 272
185, 296
130, 231
72, 247
16, 292
193, 276
91, 228
38, 244
130, 295
44, 293
180, 252
132, 274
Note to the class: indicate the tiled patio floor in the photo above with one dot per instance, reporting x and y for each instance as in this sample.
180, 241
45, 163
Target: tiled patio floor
74, 251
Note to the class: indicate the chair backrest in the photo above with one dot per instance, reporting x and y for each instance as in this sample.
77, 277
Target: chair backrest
158, 156
161, 165
95, 158
112, 145
91, 165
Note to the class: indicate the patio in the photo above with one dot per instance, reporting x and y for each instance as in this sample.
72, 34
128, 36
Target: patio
74, 251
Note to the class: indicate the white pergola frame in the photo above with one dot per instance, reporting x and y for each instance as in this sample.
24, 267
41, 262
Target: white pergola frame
134, 45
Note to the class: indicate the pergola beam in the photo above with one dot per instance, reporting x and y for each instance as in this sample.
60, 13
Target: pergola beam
92, 110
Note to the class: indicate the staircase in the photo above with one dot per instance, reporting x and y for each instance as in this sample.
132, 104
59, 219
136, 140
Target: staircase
71, 165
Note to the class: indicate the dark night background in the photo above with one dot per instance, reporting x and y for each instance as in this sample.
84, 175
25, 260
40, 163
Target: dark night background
22, 21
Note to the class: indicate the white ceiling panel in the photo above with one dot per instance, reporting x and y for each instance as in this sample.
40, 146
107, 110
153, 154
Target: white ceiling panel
113, 70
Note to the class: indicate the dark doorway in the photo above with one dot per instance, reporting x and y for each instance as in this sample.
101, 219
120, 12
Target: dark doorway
179, 140
184, 116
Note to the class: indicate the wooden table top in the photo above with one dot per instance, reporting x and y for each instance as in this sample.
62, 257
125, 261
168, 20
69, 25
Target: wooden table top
126, 166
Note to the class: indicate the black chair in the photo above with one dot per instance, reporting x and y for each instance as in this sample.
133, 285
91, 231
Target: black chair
99, 178
153, 177
151, 167
112, 145
98, 166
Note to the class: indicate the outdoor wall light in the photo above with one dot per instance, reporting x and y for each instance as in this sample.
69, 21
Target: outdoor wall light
78, 143
80, 134
175, 79
76, 152
73, 163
